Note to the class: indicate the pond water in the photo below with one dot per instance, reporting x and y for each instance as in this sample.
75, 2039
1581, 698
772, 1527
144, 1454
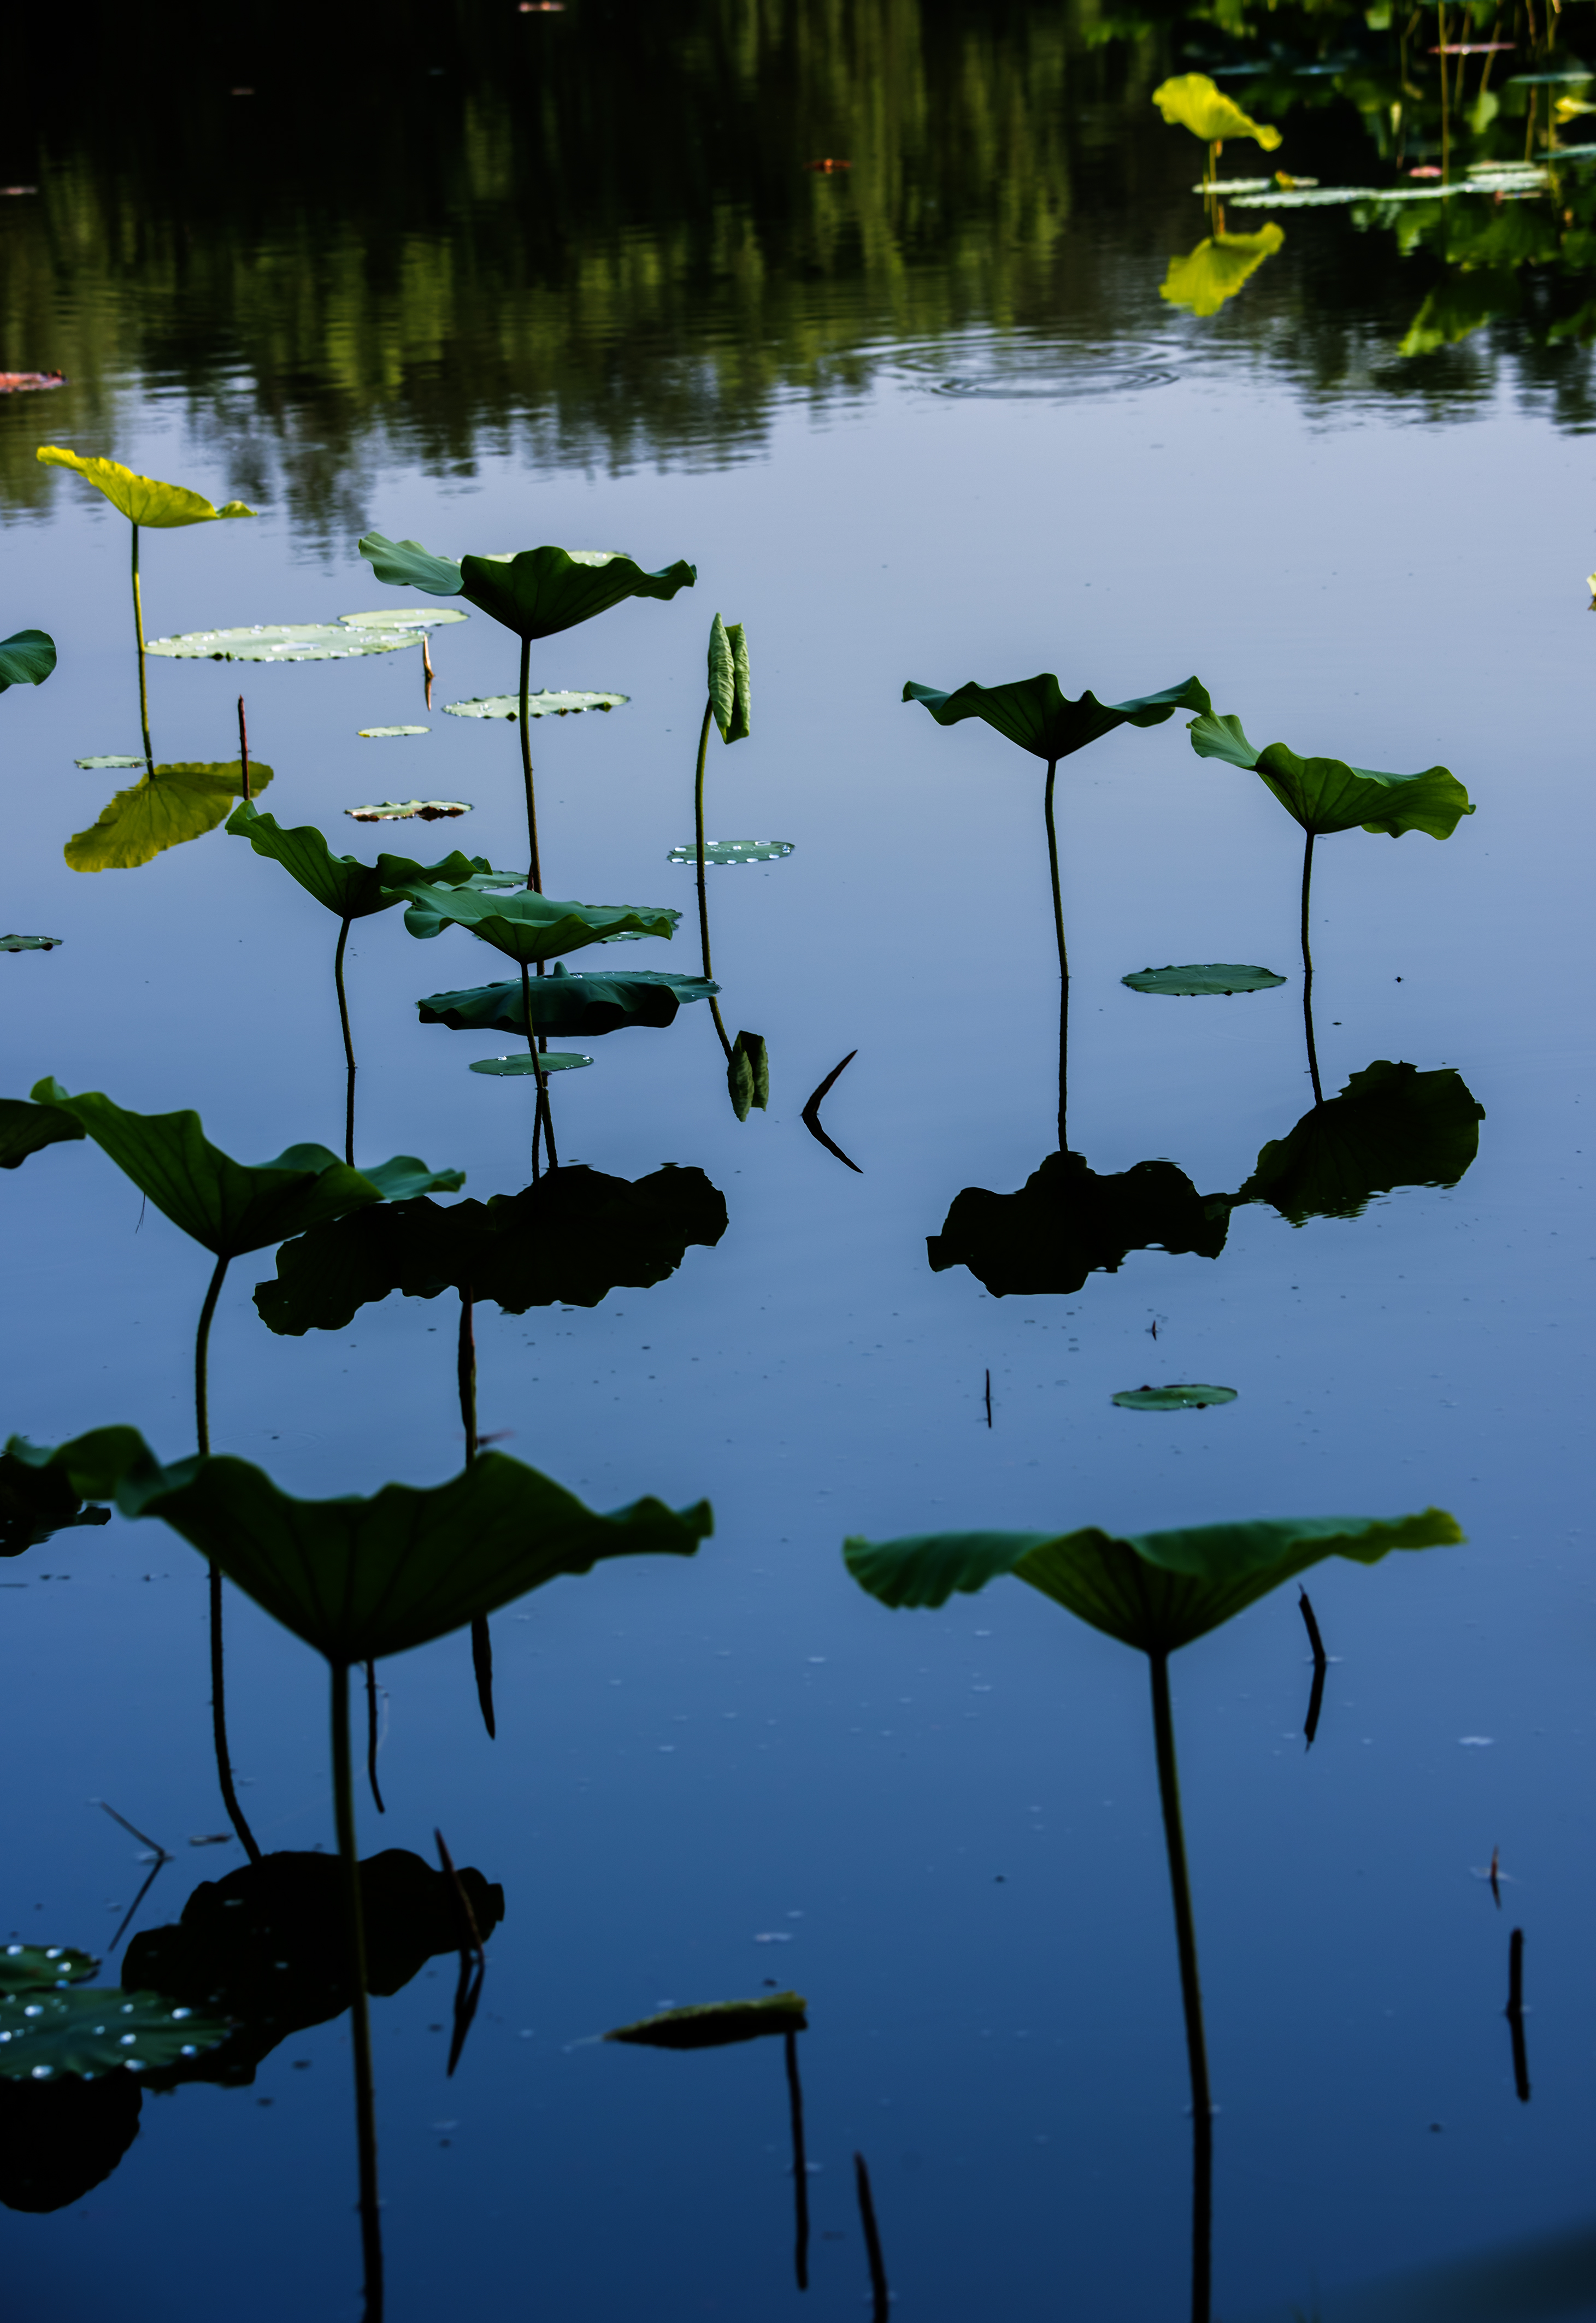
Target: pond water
572, 277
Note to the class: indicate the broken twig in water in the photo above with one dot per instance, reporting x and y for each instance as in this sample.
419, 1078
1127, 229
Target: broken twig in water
989, 1397
162, 1857
1316, 1699
800, 2165
811, 1115
473, 1960
880, 2296
1515, 2014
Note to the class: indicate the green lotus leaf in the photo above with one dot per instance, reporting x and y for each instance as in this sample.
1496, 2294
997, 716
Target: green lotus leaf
104, 763
26, 658
1066, 1223
567, 1241
525, 925
716, 2024
536, 592
273, 641
734, 850
29, 944
1203, 979
1217, 269
410, 811
166, 809
43, 2034
564, 1005
1391, 1126
729, 695
361, 1579
142, 499
26, 1129
526, 1067
1034, 713
1326, 794
1186, 1398
35, 1503
411, 617
386, 734
351, 889
230, 1205
266, 1947
1191, 101
747, 1075
40, 1968
1156, 1591
542, 705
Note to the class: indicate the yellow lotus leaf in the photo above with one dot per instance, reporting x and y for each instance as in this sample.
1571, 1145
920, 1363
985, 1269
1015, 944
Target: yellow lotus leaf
1217, 268
143, 500
1191, 101
163, 809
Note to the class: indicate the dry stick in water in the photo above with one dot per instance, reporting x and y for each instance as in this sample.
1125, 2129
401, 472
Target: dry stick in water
162, 1857
811, 1115
482, 1643
244, 750
218, 1678
880, 2296
473, 1960
1515, 2014
1316, 1699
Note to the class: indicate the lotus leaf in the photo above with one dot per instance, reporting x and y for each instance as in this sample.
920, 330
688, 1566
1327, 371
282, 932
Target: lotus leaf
40, 1968
386, 733
1191, 101
350, 888
525, 925
35, 1504
26, 1129
26, 658
415, 617
1204, 979
542, 705
1217, 269
409, 811
361, 1579
734, 850
536, 592
1391, 1126
1326, 794
140, 498
569, 1240
90, 2033
1066, 1223
116, 759
728, 679
29, 943
164, 808
1172, 1399
528, 1067
564, 1004
1033, 713
283, 641
232, 1207
747, 1074
716, 2024
1156, 1591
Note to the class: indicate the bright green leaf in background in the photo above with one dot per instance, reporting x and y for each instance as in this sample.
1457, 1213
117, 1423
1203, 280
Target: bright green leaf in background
1391, 1126
536, 592
1326, 794
716, 2024
26, 658
1217, 269
525, 925
142, 499
729, 689
44, 2035
1191, 101
1034, 712
165, 809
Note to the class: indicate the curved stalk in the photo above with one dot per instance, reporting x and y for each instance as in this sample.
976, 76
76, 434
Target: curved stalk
1307, 973
1063, 951
800, 2166
202, 1340
726, 1040
365, 2114
1191, 1997
465, 1370
372, 1737
698, 834
236, 1814
534, 871
139, 632
348, 1043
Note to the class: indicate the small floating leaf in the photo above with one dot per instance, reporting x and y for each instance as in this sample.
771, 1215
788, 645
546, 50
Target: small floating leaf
29, 943
166, 809
26, 658
734, 850
512, 1067
386, 733
88, 2033
283, 641
1203, 977
564, 1005
409, 810
1172, 1399
35, 1968
143, 500
714, 2023
103, 765
543, 705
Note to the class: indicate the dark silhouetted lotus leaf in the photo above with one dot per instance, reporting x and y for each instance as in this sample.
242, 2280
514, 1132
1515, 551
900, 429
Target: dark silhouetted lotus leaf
36, 1503
143, 500
537, 592
26, 658
350, 888
25, 1129
1326, 794
162, 810
59, 2139
1033, 713
569, 1240
525, 925
717, 2024
1066, 1223
564, 1005
1391, 1126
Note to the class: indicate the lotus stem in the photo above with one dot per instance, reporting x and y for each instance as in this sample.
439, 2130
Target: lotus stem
697, 830
235, 1813
534, 869
543, 1120
1059, 932
1191, 1997
466, 1368
202, 1340
1307, 973
244, 750
880, 2295
372, 1737
139, 632
365, 2115
348, 1043
800, 2166
726, 1039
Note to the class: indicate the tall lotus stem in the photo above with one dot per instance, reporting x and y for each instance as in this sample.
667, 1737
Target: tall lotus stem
698, 829
1307, 972
139, 632
236, 1814
244, 750
534, 869
1191, 1997
465, 1370
543, 1123
1059, 932
348, 1045
366, 2115
800, 2166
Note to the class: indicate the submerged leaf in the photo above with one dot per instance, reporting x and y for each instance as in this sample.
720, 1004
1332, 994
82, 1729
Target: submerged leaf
716, 2024
361, 1579
1203, 979
26, 1129
542, 705
747, 1075
1326, 794
527, 1068
536, 592
40, 1968
1156, 1591
350, 888
1172, 1399
1391, 1126
89, 2033
1066, 1223
1191, 101
1033, 713
728, 679
1217, 269
142, 499
733, 851
166, 809
232, 1207
564, 1004
26, 658
525, 925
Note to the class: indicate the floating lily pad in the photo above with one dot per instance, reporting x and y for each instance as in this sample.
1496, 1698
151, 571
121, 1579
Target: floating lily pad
405, 617
35, 1968
544, 704
512, 1067
734, 850
29, 943
96, 766
715, 2023
405, 810
1173, 1399
46, 2034
282, 641
1203, 977
386, 733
